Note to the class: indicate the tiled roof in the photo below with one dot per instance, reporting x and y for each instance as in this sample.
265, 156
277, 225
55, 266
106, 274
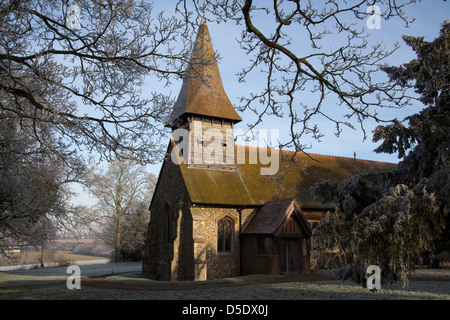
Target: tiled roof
269, 218
247, 187
202, 92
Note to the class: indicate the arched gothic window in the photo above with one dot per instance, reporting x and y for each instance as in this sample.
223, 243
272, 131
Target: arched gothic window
167, 234
224, 234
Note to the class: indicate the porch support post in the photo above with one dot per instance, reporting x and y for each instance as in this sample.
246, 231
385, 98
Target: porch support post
240, 241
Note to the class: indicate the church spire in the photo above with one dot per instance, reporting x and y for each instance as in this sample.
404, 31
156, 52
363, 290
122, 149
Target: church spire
202, 92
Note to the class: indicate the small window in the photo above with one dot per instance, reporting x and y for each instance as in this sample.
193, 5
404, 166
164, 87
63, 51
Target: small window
224, 152
267, 246
263, 246
227, 239
224, 235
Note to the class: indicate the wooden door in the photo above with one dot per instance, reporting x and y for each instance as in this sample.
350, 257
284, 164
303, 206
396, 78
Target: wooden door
289, 257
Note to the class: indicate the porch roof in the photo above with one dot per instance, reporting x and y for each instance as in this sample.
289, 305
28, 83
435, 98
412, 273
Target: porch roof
270, 218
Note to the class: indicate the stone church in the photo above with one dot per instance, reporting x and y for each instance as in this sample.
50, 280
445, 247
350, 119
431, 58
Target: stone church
213, 213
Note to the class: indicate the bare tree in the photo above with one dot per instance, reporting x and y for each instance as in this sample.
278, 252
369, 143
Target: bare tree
84, 79
134, 231
80, 69
71, 86
314, 49
119, 189
33, 196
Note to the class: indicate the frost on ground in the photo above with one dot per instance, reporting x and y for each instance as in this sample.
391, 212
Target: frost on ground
50, 283
321, 290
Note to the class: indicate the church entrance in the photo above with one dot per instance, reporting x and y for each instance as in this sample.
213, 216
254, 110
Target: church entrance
290, 256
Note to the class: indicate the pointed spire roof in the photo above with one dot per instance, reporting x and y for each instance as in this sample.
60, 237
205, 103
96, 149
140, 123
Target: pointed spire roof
202, 92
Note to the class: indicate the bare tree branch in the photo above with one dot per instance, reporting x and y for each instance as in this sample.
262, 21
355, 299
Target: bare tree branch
333, 60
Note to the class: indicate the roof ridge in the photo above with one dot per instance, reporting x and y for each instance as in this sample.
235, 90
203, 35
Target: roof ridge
311, 154
288, 200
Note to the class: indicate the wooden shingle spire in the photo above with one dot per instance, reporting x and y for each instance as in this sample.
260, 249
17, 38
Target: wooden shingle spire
202, 92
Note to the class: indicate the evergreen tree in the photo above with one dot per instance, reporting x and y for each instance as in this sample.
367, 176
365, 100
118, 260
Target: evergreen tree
391, 219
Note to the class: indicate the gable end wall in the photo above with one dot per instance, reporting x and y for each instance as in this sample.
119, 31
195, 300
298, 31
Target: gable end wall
173, 260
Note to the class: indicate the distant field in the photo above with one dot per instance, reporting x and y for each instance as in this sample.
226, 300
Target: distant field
55, 257
62, 252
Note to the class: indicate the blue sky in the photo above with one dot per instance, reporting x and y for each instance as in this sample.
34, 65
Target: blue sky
429, 16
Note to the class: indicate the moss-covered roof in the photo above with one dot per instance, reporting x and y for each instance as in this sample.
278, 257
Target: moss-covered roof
272, 216
247, 187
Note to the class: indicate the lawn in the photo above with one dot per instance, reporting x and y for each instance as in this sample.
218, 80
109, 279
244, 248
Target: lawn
50, 284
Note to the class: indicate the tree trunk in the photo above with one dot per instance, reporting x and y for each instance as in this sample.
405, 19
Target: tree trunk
42, 254
117, 244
